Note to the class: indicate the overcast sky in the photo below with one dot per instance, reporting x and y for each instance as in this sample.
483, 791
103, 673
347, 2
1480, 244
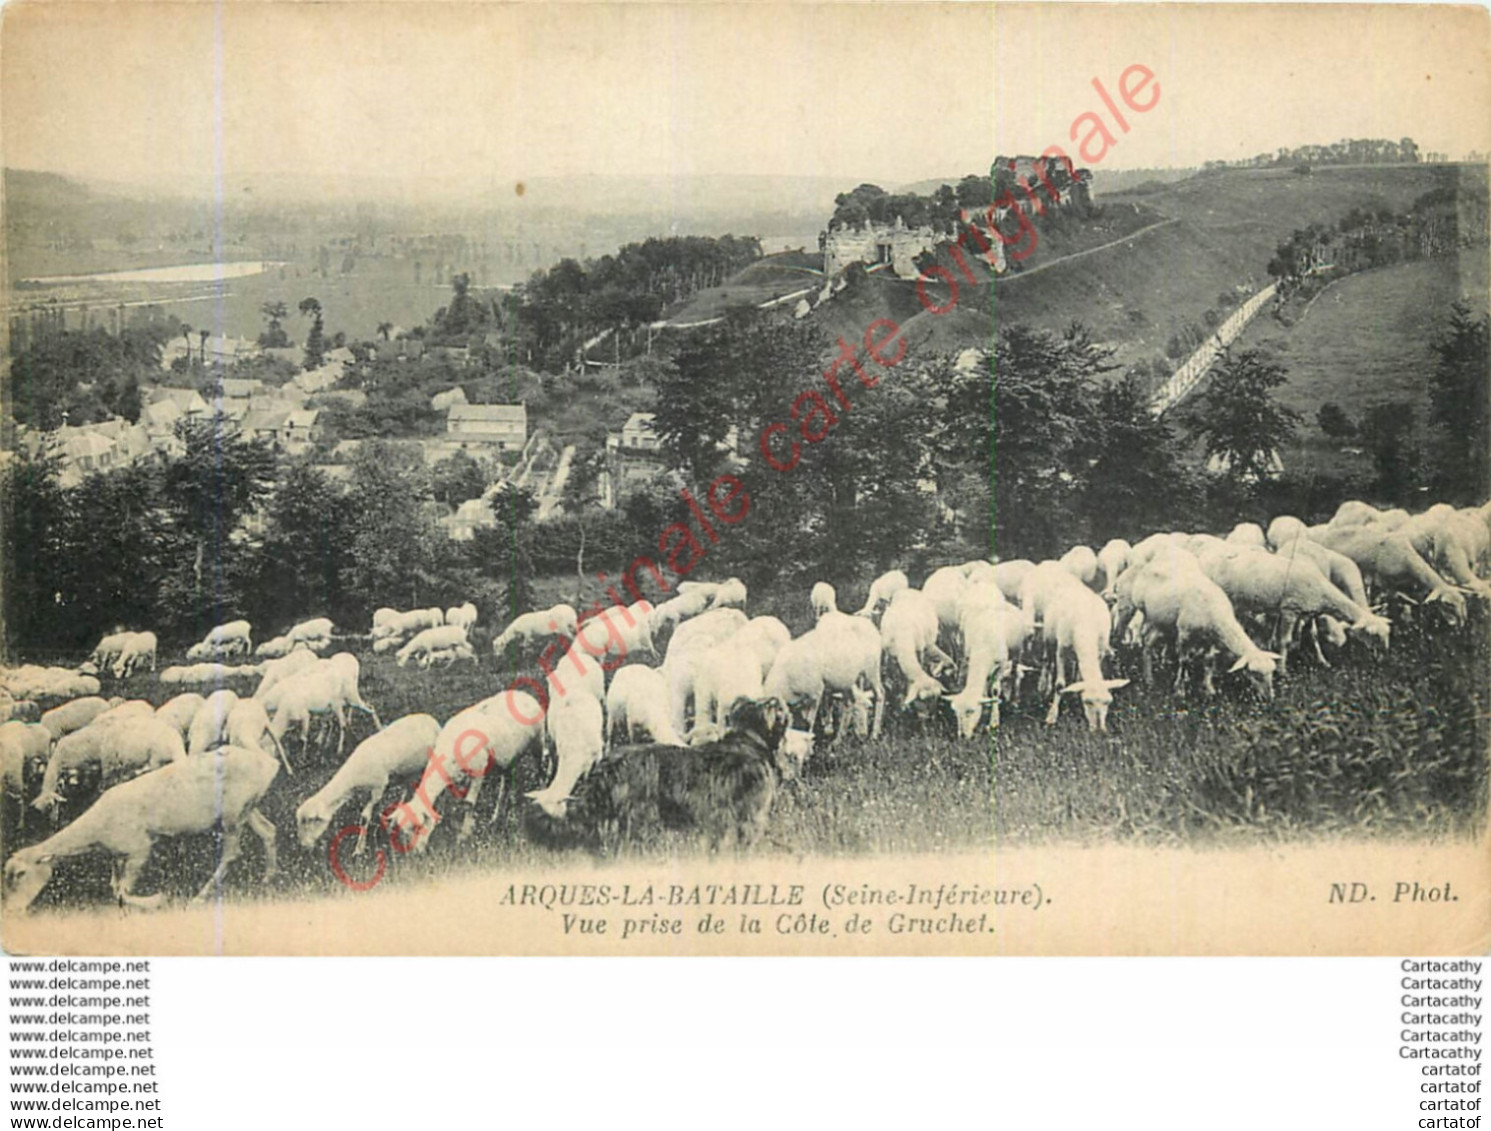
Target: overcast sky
482, 94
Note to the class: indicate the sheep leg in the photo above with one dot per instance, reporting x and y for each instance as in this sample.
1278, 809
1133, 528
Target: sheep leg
231, 847
469, 821
129, 875
1285, 636
1312, 630
285, 758
879, 689
1055, 708
341, 717
501, 797
261, 827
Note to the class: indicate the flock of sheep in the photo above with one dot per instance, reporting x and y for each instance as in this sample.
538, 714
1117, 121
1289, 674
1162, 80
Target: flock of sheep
1205, 603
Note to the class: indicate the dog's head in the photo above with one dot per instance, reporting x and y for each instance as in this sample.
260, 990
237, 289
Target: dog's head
763, 720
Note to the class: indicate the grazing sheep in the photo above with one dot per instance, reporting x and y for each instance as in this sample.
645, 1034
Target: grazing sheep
138, 650
1010, 576
1283, 530
688, 604
1389, 561
1072, 620
636, 705
73, 715
329, 688
823, 599
687, 652
1346, 576
491, 734
428, 641
248, 726
1183, 606
32, 682
616, 632
125, 708
312, 633
210, 673
1081, 563
886, 586
275, 648
574, 727
210, 724
1113, 559
561, 621
982, 615
191, 795
276, 670
179, 711
399, 752
945, 589
1435, 535
448, 657
840, 655
125, 746
462, 617
109, 650
726, 672
231, 639
1247, 534
23, 748
908, 634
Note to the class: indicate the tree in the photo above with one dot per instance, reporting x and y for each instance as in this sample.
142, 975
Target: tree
1460, 407
394, 537
1334, 422
219, 480
1239, 421
1387, 431
274, 336
315, 341
385, 329
306, 551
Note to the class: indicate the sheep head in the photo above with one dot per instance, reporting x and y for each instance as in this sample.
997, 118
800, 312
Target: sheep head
26, 873
1096, 698
1260, 666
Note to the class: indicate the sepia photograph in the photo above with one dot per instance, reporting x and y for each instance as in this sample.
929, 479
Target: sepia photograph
745, 478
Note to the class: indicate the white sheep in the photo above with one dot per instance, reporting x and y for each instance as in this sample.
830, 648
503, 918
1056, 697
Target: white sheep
982, 615
180, 710
448, 657
1081, 563
840, 655
616, 633
636, 705
330, 688
191, 795
400, 752
1184, 607
884, 587
574, 727
139, 649
278, 647
689, 603
687, 652
73, 715
125, 708
430, 640
1077, 623
1113, 559
30, 681
122, 747
1010, 576
1283, 530
462, 617
312, 633
561, 621
210, 724
493, 734
109, 648
945, 588
1248, 534
823, 599
231, 639
249, 725
23, 747
276, 670
1389, 561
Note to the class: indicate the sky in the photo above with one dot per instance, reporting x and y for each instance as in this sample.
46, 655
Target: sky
176, 94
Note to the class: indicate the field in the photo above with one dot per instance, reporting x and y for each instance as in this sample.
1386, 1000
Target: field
1366, 340
1392, 748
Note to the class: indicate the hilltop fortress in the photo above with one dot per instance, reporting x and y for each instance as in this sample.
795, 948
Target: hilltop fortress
875, 228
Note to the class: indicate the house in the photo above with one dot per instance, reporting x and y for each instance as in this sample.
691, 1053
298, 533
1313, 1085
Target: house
485, 426
320, 379
188, 402
239, 388
292, 431
638, 433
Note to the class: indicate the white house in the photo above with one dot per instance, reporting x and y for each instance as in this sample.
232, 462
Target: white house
478, 427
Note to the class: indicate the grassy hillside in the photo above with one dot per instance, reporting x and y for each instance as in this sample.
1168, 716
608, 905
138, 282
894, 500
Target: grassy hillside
1365, 341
